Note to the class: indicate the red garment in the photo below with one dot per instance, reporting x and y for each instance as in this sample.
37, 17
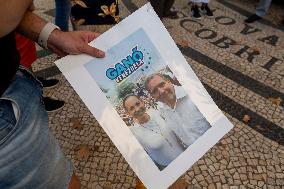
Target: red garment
27, 50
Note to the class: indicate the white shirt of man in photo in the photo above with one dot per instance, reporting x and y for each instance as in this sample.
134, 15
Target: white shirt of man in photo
175, 106
184, 119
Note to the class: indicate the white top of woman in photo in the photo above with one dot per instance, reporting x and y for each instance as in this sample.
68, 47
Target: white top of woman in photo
159, 141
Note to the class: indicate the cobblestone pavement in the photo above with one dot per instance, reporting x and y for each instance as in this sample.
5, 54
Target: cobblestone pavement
241, 66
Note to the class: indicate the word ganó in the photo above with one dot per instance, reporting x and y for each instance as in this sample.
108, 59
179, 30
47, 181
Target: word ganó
126, 67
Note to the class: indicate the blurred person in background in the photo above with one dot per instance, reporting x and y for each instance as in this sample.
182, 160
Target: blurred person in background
195, 12
163, 8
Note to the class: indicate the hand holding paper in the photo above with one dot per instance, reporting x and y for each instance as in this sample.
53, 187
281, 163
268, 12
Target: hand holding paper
63, 43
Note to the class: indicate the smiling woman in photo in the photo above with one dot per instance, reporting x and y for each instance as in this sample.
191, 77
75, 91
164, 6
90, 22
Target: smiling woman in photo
150, 130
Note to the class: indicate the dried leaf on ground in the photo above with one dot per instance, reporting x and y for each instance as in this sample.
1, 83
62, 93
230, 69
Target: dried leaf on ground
179, 184
255, 49
76, 124
139, 184
277, 101
108, 185
84, 152
246, 118
183, 43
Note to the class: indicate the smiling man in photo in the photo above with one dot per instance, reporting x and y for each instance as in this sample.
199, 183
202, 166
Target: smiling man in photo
175, 106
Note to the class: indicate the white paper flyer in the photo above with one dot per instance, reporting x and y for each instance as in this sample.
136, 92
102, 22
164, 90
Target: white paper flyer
147, 99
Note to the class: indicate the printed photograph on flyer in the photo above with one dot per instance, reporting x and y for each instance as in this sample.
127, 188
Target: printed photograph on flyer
149, 98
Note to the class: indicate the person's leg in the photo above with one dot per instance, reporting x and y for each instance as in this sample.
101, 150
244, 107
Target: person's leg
205, 8
62, 13
195, 2
168, 5
262, 7
158, 6
194, 9
30, 156
204, 1
261, 10
167, 9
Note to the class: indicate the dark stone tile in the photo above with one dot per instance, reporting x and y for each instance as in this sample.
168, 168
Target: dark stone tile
48, 72
257, 122
43, 53
236, 76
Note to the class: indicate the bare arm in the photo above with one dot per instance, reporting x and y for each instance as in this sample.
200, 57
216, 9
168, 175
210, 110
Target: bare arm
11, 13
31, 25
17, 14
62, 43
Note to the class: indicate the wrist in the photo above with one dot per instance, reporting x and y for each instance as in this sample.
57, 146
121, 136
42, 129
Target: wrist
53, 38
45, 34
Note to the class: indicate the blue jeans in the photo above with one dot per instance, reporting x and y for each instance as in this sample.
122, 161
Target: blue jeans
262, 7
30, 156
62, 13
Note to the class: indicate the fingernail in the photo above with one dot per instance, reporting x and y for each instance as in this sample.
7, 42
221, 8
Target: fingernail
101, 53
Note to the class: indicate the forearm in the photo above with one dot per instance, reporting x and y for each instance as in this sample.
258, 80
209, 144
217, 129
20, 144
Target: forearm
31, 25
17, 15
62, 43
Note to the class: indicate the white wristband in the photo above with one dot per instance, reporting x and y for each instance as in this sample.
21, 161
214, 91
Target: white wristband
45, 33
